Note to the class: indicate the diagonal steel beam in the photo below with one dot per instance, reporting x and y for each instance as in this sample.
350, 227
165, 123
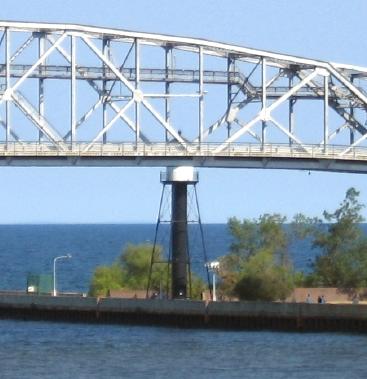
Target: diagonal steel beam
245, 128
290, 135
127, 83
245, 86
108, 63
229, 116
116, 109
21, 48
121, 67
333, 103
109, 125
60, 49
278, 75
128, 121
292, 91
250, 132
84, 117
211, 129
336, 132
8, 92
356, 143
140, 96
347, 116
2, 37
40, 122
265, 113
13, 134
101, 94
165, 124
352, 88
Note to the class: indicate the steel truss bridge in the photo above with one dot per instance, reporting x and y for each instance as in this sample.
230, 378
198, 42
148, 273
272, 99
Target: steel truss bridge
92, 96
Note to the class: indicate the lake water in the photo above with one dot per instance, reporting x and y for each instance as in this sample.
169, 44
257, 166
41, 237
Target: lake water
61, 351
31, 248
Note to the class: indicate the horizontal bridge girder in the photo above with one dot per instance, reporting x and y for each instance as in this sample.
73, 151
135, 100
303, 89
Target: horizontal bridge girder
160, 75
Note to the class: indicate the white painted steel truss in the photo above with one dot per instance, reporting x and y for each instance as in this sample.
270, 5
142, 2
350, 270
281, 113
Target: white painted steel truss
81, 95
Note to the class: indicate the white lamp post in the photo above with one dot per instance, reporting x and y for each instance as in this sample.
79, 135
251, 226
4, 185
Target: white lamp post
214, 268
68, 256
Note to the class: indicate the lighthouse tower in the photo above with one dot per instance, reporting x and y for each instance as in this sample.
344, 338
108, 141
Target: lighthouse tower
179, 179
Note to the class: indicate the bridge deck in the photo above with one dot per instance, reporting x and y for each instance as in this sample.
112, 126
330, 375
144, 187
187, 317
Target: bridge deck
315, 157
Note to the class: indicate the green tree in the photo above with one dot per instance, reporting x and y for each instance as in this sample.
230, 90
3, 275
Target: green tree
105, 278
251, 235
342, 262
135, 264
303, 227
257, 266
131, 272
244, 237
264, 280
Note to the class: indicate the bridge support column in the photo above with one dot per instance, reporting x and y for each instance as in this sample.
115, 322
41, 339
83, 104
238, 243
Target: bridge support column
179, 240
180, 178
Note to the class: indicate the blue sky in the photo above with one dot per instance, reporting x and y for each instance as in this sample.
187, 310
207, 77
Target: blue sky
328, 30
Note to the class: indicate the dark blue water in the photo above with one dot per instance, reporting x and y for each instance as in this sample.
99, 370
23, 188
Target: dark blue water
64, 351
31, 248
61, 351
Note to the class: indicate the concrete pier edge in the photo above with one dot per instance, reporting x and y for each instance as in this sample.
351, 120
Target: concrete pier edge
188, 314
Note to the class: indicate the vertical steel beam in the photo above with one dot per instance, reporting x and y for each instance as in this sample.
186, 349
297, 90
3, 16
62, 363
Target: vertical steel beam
41, 95
8, 84
201, 95
167, 103
292, 103
351, 136
230, 71
263, 101
106, 53
326, 111
291, 111
73, 90
137, 88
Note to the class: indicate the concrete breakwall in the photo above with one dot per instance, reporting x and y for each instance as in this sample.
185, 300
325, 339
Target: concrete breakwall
183, 313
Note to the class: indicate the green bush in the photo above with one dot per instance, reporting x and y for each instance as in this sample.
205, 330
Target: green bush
131, 272
105, 278
262, 279
257, 268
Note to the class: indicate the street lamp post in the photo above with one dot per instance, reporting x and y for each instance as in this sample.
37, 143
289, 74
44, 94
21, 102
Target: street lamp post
68, 256
214, 268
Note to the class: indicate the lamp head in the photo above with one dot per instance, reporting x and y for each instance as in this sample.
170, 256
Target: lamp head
213, 265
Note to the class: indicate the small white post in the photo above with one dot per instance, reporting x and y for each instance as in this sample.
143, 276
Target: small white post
214, 289
214, 268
